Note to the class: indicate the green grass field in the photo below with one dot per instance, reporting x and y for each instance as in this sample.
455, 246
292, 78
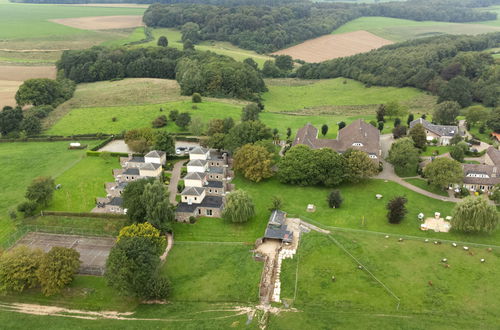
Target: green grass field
22, 162
496, 22
324, 95
396, 29
82, 184
421, 183
27, 26
174, 40
466, 289
221, 273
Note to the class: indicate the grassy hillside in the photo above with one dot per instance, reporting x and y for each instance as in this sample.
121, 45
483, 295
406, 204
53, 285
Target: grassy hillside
396, 29
174, 40
297, 95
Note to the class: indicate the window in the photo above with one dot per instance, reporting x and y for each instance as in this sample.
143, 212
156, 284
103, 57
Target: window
372, 156
209, 212
199, 211
185, 198
209, 190
357, 144
195, 198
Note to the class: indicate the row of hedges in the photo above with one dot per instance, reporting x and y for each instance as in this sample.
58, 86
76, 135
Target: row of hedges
91, 153
85, 215
103, 143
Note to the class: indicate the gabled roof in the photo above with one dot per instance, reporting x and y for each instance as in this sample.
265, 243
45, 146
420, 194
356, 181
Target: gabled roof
195, 176
199, 151
494, 154
357, 135
131, 171
277, 218
150, 166
197, 162
214, 202
214, 184
155, 154
193, 191
491, 171
115, 201
136, 159
216, 170
440, 130
277, 228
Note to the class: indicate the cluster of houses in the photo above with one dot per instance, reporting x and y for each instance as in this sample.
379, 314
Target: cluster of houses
206, 183
483, 177
358, 135
441, 133
133, 168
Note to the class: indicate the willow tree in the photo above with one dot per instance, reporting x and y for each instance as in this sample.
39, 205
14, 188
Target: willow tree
239, 207
474, 214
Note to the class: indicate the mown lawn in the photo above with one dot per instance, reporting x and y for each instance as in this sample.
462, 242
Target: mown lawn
213, 272
82, 183
296, 94
435, 150
421, 183
21, 162
360, 209
466, 290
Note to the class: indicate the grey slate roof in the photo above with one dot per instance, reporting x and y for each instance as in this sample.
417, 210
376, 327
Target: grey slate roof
136, 159
193, 191
357, 132
276, 227
216, 170
131, 171
208, 202
155, 153
150, 166
197, 162
116, 201
195, 176
199, 151
491, 171
214, 184
494, 154
441, 130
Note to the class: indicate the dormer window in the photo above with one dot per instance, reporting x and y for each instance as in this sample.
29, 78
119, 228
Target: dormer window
372, 156
357, 144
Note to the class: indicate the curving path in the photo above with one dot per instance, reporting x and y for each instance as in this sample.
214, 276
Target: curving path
389, 174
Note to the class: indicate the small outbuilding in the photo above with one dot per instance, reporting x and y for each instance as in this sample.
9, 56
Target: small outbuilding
277, 228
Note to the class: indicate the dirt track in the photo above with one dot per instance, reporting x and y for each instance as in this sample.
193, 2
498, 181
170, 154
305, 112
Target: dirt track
334, 45
101, 22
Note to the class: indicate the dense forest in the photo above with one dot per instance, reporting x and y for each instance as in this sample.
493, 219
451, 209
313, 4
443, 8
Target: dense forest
266, 29
452, 67
202, 72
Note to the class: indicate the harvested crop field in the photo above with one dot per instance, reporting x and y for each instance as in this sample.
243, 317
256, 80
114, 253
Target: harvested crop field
11, 77
333, 46
101, 22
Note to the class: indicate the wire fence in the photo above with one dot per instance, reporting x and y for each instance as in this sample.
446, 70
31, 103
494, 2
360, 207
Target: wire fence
13, 238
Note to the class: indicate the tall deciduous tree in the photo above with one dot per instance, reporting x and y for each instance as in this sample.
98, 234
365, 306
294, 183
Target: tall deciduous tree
246, 132
57, 269
418, 135
10, 120
404, 156
444, 171
165, 142
457, 153
144, 230
254, 161
238, 207
132, 200
159, 212
446, 113
133, 269
250, 112
183, 120
476, 114
18, 268
284, 62
474, 214
359, 165
41, 190
162, 41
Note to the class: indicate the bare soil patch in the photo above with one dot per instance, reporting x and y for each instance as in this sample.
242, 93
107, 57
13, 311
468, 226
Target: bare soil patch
334, 46
101, 22
12, 76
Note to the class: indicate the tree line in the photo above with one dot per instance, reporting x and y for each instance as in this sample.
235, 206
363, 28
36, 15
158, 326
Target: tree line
206, 73
269, 28
452, 67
